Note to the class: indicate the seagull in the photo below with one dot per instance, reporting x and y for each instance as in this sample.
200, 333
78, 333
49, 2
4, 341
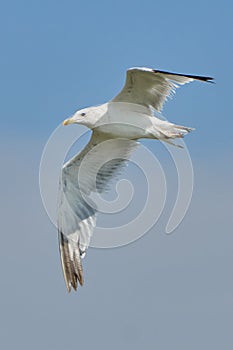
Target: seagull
116, 128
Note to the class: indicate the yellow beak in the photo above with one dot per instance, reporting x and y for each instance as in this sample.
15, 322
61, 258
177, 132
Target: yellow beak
67, 121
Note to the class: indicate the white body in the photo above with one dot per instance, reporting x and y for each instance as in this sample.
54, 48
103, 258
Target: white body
127, 120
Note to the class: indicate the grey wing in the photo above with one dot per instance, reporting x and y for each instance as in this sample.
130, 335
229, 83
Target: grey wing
90, 171
150, 87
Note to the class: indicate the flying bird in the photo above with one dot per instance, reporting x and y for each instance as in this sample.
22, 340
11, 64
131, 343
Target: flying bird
116, 126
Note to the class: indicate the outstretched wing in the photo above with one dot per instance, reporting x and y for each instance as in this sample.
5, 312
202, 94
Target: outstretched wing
150, 87
88, 172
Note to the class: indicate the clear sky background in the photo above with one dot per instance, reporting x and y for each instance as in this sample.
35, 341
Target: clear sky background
161, 291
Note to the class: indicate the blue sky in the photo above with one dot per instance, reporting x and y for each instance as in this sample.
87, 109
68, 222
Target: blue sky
169, 291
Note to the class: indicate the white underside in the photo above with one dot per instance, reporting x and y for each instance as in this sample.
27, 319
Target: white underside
132, 121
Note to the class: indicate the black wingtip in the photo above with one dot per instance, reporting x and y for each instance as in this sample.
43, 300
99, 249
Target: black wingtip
206, 79
71, 263
211, 80
196, 77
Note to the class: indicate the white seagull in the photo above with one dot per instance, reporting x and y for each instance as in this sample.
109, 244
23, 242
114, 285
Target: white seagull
115, 125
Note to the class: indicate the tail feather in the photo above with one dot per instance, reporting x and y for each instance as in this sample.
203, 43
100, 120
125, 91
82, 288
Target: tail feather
171, 131
167, 132
176, 131
71, 262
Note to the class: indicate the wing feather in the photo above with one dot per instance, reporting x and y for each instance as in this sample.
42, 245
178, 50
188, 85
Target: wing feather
150, 87
90, 171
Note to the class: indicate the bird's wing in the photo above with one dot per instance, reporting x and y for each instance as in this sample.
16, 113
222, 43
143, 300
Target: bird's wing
88, 172
150, 87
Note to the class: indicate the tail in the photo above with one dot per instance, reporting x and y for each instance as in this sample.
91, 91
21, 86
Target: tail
166, 131
71, 262
173, 131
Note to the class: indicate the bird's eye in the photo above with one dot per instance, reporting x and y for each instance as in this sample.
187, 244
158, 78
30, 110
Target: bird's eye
83, 114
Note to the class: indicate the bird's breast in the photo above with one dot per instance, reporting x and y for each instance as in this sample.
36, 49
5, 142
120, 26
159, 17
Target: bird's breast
124, 123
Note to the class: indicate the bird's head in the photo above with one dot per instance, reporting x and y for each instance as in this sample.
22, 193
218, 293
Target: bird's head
86, 116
